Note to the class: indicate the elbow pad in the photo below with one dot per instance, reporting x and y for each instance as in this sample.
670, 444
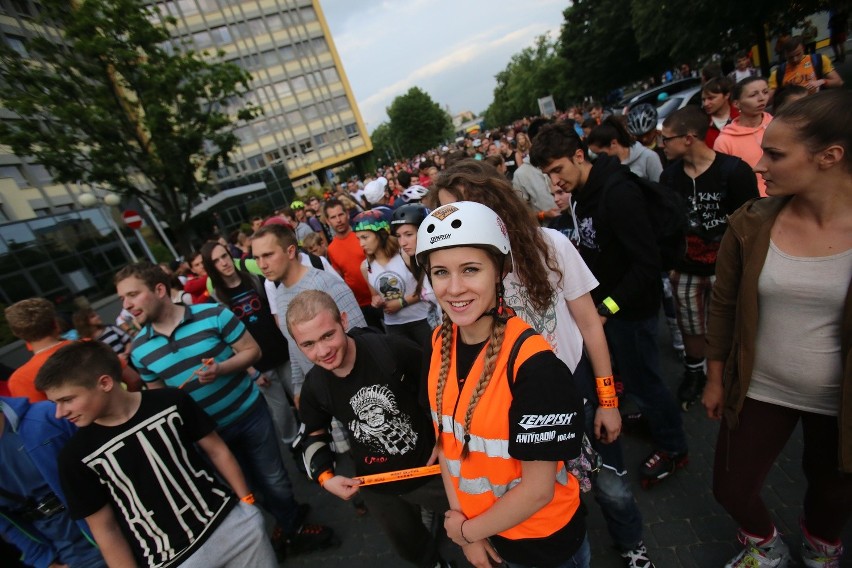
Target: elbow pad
316, 454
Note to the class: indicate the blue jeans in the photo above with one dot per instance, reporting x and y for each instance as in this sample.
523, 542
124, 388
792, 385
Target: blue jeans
252, 441
581, 558
634, 348
610, 487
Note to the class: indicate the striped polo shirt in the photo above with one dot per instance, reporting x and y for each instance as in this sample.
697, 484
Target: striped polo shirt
206, 330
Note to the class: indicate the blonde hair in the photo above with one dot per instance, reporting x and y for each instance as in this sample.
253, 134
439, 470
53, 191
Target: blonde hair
309, 304
495, 343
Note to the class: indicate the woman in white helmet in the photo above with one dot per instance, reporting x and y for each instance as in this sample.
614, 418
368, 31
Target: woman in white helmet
506, 417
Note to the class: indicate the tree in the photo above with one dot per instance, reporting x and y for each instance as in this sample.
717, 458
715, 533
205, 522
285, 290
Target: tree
704, 26
418, 123
600, 48
103, 97
385, 146
535, 72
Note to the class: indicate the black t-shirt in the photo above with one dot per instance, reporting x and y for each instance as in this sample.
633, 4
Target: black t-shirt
252, 307
166, 498
377, 402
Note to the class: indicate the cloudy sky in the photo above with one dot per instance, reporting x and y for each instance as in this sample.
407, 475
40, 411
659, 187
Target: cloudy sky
450, 49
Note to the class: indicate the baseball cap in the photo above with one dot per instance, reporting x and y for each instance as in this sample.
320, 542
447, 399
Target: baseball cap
375, 190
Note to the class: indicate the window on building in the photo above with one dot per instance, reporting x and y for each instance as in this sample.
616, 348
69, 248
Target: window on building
320, 140
202, 39
341, 104
282, 89
221, 35
330, 74
310, 112
294, 117
275, 22
256, 162
299, 84
273, 156
308, 14
14, 172
306, 146
351, 130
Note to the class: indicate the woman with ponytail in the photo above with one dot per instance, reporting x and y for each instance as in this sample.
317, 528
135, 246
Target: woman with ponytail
506, 416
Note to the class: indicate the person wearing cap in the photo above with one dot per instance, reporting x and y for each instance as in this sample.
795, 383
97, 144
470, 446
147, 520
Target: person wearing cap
376, 194
393, 288
493, 383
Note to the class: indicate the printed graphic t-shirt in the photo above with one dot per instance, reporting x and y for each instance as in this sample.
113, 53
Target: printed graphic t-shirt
388, 429
165, 497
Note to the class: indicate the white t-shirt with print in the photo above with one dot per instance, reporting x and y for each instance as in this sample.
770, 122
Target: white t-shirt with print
556, 324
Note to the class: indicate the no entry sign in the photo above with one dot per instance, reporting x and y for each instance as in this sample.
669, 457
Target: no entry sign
132, 219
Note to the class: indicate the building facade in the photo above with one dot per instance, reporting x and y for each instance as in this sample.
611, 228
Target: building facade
310, 121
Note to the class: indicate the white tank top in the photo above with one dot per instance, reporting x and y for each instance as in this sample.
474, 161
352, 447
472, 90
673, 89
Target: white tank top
798, 363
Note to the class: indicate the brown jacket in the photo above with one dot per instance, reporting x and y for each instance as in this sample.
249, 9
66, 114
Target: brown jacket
732, 328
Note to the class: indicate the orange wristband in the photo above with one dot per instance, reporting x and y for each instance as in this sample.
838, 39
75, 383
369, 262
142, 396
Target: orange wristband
248, 499
324, 476
608, 402
540, 215
605, 388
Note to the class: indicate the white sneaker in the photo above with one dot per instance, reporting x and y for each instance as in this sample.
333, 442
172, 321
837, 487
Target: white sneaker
771, 552
817, 553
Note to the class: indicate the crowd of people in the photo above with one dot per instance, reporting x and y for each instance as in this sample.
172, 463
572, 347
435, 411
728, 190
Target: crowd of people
448, 342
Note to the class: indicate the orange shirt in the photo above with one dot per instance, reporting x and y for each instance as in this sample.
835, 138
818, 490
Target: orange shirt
22, 381
346, 256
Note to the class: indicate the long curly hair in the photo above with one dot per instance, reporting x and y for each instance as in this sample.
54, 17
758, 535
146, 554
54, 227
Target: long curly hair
473, 180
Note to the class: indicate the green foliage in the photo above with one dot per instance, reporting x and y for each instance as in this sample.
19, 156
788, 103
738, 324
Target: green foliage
687, 29
535, 72
600, 48
385, 146
111, 102
417, 122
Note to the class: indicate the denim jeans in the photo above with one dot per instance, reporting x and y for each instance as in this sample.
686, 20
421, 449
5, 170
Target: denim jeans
253, 442
581, 558
637, 356
610, 487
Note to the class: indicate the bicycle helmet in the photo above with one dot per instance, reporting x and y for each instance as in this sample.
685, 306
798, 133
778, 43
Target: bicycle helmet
370, 220
463, 224
414, 193
411, 214
297, 205
641, 119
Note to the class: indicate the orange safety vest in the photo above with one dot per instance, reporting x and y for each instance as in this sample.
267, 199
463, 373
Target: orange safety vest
489, 471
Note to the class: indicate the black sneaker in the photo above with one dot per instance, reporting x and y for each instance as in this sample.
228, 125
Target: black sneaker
638, 557
309, 538
660, 465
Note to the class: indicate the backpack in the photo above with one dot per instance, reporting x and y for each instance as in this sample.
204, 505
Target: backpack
588, 463
816, 63
667, 212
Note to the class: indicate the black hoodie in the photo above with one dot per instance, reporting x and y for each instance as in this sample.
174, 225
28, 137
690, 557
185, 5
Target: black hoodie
617, 240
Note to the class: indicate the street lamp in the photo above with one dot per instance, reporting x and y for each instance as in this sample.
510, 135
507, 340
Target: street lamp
87, 199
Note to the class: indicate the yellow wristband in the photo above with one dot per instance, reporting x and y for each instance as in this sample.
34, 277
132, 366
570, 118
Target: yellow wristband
610, 303
324, 476
248, 499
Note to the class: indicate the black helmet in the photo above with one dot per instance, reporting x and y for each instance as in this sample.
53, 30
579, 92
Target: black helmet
411, 214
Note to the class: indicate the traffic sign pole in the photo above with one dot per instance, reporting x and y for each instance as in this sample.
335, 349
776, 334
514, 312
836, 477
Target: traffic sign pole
134, 221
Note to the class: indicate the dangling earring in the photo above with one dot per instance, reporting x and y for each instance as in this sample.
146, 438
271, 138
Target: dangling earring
500, 291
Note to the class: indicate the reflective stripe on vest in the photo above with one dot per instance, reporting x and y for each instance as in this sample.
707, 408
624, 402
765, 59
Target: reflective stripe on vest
480, 485
491, 448
488, 471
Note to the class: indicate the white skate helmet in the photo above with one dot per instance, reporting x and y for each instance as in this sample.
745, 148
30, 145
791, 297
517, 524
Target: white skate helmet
463, 224
414, 193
